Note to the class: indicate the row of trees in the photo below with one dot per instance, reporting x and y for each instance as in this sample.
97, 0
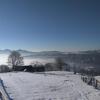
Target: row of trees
16, 60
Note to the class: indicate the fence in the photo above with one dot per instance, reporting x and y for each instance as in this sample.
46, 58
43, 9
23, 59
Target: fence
3, 93
90, 80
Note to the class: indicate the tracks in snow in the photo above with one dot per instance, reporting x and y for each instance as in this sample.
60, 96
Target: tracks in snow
3, 93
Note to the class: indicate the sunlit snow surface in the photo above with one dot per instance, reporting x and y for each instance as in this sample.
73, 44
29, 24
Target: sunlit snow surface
48, 86
3, 59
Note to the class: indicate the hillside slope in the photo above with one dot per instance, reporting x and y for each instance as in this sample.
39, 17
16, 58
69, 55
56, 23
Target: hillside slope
48, 86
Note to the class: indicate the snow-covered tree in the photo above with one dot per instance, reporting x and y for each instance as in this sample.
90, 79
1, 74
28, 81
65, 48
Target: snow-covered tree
15, 59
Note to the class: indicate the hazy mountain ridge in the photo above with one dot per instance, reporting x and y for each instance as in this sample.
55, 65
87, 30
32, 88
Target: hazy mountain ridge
72, 56
27, 53
91, 57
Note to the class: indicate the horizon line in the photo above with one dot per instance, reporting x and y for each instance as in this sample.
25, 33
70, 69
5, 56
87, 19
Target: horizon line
51, 50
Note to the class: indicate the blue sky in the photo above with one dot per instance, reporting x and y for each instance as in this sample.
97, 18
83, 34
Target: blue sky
40, 25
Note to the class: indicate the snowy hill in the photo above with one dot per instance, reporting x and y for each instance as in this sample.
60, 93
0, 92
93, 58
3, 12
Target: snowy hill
48, 86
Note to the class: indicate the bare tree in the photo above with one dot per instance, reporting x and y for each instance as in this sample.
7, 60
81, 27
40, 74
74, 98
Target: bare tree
15, 59
59, 63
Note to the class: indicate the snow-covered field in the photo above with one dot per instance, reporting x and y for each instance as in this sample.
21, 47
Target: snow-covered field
48, 86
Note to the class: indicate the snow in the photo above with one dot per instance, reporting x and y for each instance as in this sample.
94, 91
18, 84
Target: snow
3, 59
98, 78
54, 85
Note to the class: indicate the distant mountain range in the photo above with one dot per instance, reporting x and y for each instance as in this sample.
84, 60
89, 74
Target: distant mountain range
90, 57
27, 53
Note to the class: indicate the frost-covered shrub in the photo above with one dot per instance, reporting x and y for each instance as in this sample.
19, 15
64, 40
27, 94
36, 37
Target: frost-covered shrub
4, 68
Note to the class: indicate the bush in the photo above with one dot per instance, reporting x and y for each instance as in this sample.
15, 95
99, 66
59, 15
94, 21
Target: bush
4, 68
